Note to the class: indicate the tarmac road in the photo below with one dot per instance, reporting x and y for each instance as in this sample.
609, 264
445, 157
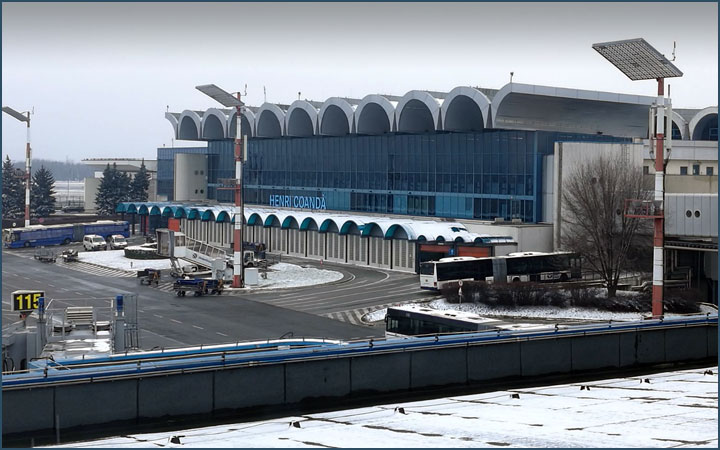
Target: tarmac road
166, 320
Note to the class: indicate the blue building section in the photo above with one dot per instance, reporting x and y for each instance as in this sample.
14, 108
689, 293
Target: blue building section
480, 175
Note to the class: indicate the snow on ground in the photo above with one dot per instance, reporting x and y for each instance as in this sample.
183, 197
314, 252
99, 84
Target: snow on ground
116, 259
675, 409
280, 275
284, 275
537, 312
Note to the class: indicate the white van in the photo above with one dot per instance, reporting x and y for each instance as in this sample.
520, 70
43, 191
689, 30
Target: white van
94, 242
117, 242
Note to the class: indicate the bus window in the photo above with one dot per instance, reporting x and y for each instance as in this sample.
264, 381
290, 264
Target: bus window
427, 269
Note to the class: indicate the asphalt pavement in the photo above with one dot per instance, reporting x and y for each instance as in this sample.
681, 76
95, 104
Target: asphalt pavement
330, 311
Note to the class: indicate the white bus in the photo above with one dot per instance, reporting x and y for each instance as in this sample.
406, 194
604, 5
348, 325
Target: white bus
515, 267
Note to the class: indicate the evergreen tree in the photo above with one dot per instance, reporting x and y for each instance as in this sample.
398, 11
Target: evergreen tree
13, 191
42, 194
140, 184
114, 188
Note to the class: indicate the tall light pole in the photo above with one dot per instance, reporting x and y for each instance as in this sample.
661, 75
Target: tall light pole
24, 117
638, 60
228, 100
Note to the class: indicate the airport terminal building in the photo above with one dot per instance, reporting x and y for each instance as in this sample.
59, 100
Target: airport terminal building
487, 158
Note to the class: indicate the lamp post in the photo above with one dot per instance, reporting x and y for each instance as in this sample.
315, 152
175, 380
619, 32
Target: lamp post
228, 100
24, 117
638, 60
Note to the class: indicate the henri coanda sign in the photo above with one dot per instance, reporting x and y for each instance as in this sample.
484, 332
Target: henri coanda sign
297, 201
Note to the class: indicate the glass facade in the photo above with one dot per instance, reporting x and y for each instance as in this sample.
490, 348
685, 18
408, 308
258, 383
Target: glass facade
483, 175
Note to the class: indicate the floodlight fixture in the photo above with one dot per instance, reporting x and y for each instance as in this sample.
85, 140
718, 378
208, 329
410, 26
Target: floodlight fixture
219, 95
637, 59
18, 115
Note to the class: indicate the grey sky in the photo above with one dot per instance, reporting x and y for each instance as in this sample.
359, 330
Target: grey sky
101, 75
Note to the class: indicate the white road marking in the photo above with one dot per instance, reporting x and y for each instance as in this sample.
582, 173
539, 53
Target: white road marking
221, 334
51, 285
199, 328
176, 321
158, 316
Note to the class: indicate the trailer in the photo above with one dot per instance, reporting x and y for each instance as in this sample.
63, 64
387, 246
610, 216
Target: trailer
149, 276
198, 286
45, 255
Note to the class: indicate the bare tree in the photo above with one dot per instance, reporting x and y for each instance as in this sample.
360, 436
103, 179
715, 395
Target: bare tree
596, 227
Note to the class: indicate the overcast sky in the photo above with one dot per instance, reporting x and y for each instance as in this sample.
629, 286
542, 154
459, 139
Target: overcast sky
100, 76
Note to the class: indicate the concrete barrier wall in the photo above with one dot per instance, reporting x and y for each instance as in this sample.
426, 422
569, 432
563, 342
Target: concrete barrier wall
291, 383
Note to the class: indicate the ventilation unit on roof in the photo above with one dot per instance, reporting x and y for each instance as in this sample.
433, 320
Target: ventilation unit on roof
499, 220
517, 220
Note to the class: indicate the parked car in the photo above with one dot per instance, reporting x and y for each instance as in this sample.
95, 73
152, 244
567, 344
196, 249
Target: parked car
117, 242
94, 242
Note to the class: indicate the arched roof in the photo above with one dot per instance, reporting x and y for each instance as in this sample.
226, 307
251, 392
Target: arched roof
328, 224
214, 124
189, 126
254, 218
417, 112
270, 121
301, 119
173, 119
248, 124
389, 228
465, 109
531, 107
700, 122
336, 117
680, 122
375, 115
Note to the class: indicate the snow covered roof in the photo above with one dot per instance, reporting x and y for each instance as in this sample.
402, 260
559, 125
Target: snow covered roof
386, 227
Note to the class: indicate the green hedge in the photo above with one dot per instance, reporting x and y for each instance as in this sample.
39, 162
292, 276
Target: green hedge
137, 253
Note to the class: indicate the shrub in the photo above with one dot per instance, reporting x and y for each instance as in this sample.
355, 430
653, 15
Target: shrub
142, 252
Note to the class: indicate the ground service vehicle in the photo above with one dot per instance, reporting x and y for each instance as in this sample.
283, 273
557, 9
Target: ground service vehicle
198, 286
45, 255
39, 235
149, 276
70, 255
94, 242
117, 242
515, 267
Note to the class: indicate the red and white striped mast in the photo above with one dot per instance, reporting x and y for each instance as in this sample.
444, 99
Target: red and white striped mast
28, 157
638, 60
228, 100
238, 264
659, 202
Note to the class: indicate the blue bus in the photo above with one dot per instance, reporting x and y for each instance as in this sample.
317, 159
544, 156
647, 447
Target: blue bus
39, 235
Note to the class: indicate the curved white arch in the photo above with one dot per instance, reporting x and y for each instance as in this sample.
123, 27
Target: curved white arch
311, 112
221, 118
382, 102
173, 119
265, 111
477, 97
232, 124
345, 107
432, 104
698, 118
681, 124
189, 119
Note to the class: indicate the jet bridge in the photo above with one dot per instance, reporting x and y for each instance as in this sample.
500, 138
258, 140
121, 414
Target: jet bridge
180, 248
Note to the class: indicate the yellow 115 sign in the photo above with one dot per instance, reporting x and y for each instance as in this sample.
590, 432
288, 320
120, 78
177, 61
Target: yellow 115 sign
26, 300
